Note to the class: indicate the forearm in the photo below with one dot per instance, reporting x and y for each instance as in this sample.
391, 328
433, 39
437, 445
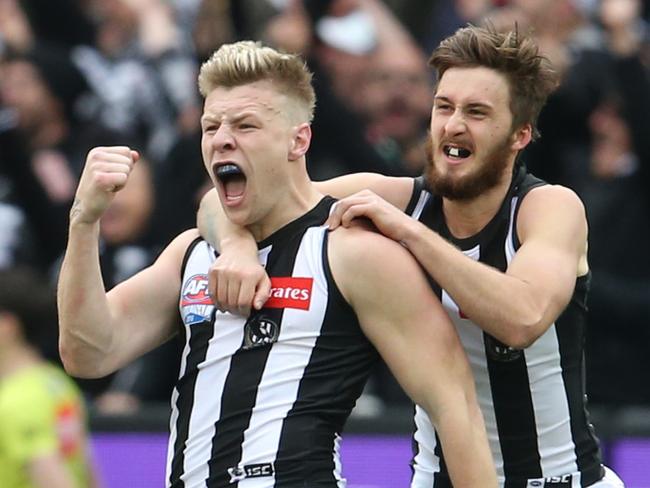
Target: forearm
502, 305
464, 442
84, 316
217, 229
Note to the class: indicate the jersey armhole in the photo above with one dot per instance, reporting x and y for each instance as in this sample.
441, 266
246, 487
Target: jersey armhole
180, 326
419, 185
516, 243
333, 287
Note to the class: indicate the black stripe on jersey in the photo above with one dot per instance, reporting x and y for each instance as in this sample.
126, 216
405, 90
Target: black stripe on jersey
333, 352
515, 419
570, 327
200, 334
441, 477
419, 184
513, 403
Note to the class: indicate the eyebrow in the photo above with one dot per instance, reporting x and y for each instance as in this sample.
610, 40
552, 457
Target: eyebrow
482, 105
234, 119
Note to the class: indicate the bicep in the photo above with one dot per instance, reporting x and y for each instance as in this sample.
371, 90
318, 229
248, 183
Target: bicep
395, 190
146, 304
553, 233
400, 315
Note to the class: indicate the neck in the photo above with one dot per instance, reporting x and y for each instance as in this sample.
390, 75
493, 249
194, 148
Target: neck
14, 359
300, 197
466, 218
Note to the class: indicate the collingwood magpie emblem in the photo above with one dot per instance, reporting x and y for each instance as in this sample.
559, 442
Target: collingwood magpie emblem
260, 331
498, 351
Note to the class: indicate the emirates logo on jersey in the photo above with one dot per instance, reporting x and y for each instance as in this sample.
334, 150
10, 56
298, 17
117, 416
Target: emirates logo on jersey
290, 292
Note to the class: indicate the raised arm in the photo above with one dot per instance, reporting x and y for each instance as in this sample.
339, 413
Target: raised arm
407, 324
237, 281
102, 332
517, 306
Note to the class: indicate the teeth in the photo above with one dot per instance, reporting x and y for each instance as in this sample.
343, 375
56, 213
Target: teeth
457, 152
228, 170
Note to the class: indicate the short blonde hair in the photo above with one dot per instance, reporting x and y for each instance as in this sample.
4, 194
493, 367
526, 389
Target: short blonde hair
245, 62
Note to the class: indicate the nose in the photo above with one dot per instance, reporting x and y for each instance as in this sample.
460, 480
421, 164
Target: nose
455, 123
223, 140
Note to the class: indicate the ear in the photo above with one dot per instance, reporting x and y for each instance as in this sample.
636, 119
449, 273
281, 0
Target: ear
300, 141
521, 137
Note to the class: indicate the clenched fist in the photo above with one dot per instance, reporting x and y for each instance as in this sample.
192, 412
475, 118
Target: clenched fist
106, 172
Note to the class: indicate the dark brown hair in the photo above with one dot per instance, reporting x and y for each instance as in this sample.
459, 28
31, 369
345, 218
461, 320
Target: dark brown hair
531, 78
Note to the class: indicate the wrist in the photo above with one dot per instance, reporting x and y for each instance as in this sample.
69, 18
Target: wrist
413, 232
238, 241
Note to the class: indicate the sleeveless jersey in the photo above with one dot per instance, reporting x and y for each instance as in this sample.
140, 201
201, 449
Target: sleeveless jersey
533, 400
41, 413
260, 401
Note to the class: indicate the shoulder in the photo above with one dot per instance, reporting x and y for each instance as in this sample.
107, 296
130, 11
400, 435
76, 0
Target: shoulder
551, 200
363, 261
361, 243
396, 190
551, 207
181, 243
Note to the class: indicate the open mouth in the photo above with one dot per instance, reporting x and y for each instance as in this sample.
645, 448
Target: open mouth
232, 179
456, 152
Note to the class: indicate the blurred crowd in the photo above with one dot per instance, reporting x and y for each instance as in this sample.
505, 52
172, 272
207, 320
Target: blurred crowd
75, 74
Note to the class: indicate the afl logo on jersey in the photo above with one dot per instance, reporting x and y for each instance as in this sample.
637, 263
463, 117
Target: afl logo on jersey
498, 351
260, 331
195, 291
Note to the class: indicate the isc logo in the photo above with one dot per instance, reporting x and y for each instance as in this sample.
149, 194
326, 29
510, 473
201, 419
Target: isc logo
551, 482
239, 473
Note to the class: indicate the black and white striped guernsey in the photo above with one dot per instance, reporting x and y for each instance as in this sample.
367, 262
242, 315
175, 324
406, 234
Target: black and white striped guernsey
533, 400
260, 402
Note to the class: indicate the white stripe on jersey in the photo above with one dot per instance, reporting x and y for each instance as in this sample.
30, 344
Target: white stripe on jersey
419, 207
336, 455
552, 416
426, 463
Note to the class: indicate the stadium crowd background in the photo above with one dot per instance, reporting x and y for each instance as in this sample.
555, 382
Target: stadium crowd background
79, 73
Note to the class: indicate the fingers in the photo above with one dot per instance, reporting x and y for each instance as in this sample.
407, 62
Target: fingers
237, 290
111, 166
349, 208
263, 292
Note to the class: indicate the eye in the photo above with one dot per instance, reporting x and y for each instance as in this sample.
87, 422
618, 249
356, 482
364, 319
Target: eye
207, 129
442, 107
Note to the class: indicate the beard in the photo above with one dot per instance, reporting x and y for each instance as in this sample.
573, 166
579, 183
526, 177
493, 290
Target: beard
487, 176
